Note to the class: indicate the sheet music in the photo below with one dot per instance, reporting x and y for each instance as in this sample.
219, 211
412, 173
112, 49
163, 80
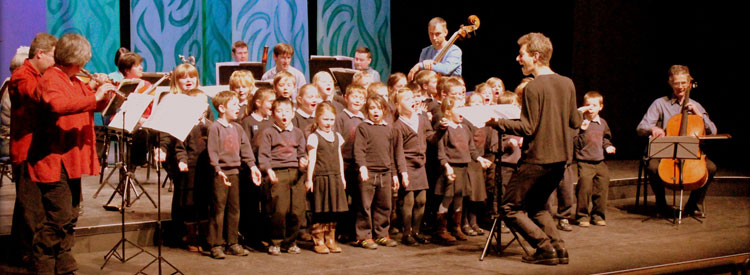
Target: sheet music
211, 91
176, 115
133, 109
478, 115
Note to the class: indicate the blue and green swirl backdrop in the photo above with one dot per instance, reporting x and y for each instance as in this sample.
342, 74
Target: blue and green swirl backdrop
161, 30
97, 20
266, 23
345, 25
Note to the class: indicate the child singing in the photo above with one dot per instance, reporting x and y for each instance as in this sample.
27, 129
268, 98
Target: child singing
325, 179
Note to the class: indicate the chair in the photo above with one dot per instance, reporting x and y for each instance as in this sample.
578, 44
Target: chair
643, 180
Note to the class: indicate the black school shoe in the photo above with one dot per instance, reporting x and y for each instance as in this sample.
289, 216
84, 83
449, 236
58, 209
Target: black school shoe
420, 238
562, 254
548, 257
408, 239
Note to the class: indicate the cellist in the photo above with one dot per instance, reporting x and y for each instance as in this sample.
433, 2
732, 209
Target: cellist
653, 124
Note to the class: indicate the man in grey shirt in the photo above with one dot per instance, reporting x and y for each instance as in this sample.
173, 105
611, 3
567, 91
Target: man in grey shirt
653, 124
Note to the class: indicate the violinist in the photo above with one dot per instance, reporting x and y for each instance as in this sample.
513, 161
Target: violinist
28, 213
653, 124
450, 64
62, 150
130, 66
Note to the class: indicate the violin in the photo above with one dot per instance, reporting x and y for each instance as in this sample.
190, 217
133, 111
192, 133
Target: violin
685, 174
463, 31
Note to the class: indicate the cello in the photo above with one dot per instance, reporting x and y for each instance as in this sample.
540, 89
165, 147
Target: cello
685, 174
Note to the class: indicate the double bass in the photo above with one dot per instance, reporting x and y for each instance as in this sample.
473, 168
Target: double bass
463, 31
685, 174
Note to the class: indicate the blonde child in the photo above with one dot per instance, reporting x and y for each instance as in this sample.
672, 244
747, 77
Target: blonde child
242, 83
284, 85
487, 93
374, 154
497, 86
325, 179
324, 81
362, 78
307, 99
427, 81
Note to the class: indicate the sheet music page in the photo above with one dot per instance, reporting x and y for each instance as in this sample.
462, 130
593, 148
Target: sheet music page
478, 115
212, 90
133, 109
176, 115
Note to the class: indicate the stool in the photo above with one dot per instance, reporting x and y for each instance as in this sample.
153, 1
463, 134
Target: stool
643, 180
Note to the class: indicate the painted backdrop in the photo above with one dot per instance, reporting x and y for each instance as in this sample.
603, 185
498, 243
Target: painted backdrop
345, 25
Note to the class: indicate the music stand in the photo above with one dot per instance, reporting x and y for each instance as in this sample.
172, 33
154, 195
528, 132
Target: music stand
324, 63
224, 70
123, 188
130, 115
679, 148
170, 106
343, 77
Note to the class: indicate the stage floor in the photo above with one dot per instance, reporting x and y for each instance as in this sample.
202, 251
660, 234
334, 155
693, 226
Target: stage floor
627, 242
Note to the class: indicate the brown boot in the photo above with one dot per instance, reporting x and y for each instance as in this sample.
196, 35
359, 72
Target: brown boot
191, 237
441, 234
330, 238
457, 229
318, 231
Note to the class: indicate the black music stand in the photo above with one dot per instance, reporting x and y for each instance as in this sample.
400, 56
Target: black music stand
124, 189
343, 77
324, 63
129, 182
224, 70
155, 115
679, 148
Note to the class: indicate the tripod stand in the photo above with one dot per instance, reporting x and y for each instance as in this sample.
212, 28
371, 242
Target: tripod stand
159, 239
496, 235
129, 184
123, 188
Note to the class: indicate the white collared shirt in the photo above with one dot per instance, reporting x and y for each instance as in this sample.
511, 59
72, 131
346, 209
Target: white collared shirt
258, 117
288, 128
382, 122
303, 114
412, 122
351, 115
224, 122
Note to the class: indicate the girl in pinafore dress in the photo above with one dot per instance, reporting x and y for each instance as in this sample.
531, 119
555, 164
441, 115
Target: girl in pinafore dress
325, 179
